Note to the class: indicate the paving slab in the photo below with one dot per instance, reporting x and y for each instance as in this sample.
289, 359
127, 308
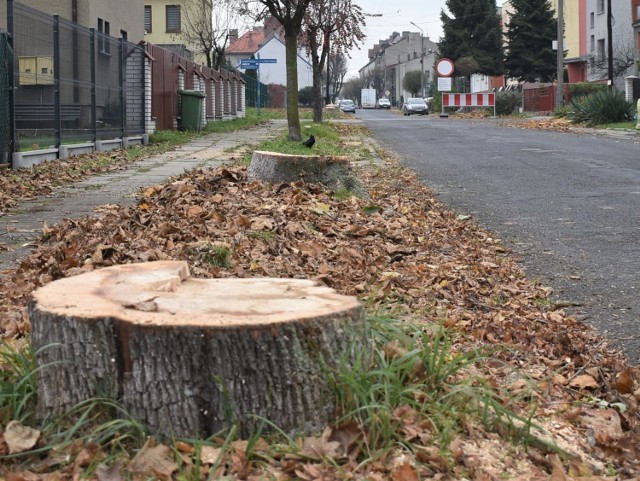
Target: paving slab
21, 227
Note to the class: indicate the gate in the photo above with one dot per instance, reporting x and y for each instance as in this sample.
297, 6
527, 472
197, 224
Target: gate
5, 89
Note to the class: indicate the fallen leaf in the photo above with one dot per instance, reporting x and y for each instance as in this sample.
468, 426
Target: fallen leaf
109, 473
20, 438
584, 381
405, 472
152, 461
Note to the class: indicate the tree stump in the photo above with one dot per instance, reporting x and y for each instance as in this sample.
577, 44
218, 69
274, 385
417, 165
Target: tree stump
190, 357
332, 171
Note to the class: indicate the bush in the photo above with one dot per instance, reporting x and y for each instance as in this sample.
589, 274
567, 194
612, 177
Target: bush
604, 106
584, 89
507, 102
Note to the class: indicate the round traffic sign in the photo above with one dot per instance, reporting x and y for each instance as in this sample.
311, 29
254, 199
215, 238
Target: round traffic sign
444, 67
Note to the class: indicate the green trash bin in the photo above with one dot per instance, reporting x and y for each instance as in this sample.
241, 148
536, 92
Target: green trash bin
192, 101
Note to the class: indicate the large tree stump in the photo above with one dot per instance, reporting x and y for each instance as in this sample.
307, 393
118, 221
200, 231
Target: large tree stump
189, 357
332, 171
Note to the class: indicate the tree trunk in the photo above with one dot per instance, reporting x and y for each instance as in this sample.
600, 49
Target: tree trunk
293, 117
332, 171
190, 357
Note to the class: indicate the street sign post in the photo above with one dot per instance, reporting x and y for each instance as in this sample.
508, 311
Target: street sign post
254, 64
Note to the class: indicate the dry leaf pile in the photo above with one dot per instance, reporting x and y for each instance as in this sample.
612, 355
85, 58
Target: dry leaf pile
399, 249
41, 180
558, 124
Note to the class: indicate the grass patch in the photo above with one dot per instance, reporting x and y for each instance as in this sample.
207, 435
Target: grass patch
93, 187
618, 125
327, 141
265, 236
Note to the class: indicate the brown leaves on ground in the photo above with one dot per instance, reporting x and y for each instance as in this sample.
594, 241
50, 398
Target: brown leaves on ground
558, 124
43, 179
399, 249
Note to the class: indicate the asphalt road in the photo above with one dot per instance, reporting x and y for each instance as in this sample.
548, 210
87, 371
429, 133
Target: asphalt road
567, 204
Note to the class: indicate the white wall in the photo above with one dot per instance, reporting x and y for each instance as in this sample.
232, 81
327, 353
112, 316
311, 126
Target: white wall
276, 73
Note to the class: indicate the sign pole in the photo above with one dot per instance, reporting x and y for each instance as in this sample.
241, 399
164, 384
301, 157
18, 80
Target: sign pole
259, 84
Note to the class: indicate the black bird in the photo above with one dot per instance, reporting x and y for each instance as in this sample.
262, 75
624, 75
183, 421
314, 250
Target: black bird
310, 141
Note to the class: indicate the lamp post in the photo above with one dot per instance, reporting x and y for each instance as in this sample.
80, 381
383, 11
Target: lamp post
421, 60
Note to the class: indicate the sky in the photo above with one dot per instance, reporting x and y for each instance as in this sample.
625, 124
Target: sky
396, 17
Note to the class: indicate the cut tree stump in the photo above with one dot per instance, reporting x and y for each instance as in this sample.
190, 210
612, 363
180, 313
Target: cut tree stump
190, 357
332, 171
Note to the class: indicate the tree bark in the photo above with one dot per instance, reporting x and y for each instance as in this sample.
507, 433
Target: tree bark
190, 357
332, 171
291, 55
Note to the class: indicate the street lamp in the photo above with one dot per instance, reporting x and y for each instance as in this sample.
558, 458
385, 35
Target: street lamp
421, 60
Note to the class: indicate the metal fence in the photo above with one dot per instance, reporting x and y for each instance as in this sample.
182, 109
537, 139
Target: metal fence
5, 89
251, 92
72, 84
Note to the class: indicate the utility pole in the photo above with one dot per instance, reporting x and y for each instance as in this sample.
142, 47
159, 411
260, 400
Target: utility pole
421, 60
609, 44
560, 65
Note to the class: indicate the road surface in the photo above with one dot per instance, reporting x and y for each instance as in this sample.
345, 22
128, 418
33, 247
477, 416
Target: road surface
568, 204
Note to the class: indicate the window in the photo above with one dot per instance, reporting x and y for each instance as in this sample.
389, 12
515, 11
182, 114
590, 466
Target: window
173, 18
601, 55
147, 19
124, 35
104, 29
600, 6
592, 20
593, 43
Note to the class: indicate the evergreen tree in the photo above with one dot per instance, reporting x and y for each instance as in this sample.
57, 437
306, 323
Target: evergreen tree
473, 30
530, 33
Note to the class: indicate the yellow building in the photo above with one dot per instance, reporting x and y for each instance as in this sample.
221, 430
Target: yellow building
175, 24
117, 18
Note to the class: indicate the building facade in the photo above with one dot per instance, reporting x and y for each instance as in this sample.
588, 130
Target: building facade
117, 18
267, 42
394, 57
173, 24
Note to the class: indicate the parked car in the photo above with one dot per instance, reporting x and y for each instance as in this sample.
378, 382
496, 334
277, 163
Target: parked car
347, 106
383, 104
415, 105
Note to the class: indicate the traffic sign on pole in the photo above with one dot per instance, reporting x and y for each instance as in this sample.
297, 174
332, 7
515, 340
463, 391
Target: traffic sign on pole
248, 63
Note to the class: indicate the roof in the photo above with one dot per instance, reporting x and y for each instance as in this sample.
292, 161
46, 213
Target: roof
248, 43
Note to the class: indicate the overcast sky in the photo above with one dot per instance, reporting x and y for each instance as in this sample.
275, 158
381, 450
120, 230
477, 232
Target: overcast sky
396, 16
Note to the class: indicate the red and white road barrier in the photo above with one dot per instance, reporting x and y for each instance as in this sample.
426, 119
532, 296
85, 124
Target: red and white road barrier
469, 100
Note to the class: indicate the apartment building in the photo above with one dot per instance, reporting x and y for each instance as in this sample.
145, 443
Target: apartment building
172, 23
117, 18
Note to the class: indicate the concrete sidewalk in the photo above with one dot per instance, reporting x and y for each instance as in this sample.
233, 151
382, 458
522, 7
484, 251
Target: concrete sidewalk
21, 227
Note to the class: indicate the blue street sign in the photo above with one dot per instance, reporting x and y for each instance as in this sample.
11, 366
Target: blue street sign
248, 63
267, 60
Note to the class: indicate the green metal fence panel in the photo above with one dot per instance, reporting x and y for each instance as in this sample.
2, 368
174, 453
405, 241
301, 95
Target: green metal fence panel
251, 92
5, 86
73, 84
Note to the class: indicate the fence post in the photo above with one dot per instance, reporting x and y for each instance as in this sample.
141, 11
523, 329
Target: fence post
14, 142
121, 82
143, 76
92, 68
56, 81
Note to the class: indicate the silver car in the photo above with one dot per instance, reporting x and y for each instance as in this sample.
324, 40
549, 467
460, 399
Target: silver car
347, 106
415, 105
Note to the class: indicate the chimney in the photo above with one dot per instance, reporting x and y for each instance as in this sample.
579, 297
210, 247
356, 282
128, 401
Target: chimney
233, 35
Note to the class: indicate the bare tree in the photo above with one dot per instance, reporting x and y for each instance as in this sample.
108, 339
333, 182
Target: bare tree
337, 72
623, 60
331, 27
352, 87
206, 26
376, 78
289, 14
